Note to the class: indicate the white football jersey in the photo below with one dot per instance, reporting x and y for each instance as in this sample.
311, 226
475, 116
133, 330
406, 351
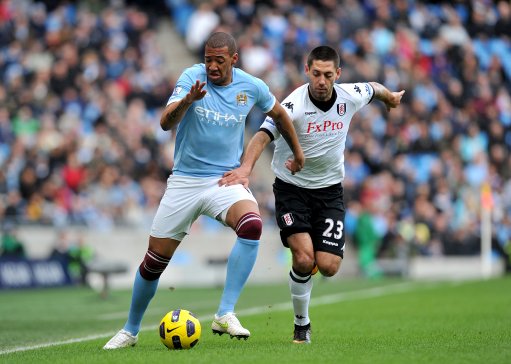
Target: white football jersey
322, 134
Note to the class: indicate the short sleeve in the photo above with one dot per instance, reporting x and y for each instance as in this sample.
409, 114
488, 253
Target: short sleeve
361, 93
269, 124
266, 100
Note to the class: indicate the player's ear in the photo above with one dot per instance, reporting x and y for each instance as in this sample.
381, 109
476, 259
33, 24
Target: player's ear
338, 73
234, 58
306, 68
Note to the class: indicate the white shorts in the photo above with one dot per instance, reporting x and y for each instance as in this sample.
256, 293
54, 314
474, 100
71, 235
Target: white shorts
186, 198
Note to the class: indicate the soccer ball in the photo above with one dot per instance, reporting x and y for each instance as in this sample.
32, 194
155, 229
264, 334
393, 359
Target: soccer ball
180, 329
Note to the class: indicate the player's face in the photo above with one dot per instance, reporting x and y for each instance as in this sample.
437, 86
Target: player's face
219, 65
322, 76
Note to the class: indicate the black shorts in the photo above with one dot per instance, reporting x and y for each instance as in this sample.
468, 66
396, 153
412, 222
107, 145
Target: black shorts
319, 212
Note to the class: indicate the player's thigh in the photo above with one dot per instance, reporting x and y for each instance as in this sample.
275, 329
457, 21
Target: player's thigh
179, 207
292, 210
238, 210
229, 203
328, 226
302, 251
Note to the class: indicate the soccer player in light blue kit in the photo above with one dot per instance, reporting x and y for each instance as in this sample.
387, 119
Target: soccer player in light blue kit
209, 105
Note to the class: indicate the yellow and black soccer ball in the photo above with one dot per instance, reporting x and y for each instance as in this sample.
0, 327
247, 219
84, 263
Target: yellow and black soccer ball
180, 329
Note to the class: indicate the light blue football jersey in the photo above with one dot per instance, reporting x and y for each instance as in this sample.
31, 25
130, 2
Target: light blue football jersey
209, 139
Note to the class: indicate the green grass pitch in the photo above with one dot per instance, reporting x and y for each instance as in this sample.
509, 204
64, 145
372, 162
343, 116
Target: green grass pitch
353, 321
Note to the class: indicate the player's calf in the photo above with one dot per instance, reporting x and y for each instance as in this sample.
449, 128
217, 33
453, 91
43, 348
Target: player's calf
329, 264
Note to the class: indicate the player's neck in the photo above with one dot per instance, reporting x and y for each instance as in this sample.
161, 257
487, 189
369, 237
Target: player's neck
227, 81
324, 105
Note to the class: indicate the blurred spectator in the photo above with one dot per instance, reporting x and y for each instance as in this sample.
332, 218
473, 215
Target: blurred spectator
75, 253
202, 21
82, 88
12, 246
81, 93
366, 236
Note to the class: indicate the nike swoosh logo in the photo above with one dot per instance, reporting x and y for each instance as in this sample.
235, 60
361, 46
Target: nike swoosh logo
175, 328
223, 326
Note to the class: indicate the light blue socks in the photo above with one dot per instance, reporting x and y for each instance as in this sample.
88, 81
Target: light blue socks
143, 292
239, 265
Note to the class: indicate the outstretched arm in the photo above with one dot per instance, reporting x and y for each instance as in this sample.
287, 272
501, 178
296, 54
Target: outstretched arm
389, 98
286, 129
174, 112
257, 144
254, 149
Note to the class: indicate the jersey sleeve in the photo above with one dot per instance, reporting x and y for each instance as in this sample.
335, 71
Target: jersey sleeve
266, 100
269, 127
183, 85
268, 124
361, 93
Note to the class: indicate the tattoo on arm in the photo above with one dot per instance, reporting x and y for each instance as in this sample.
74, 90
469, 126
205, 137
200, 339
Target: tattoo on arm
177, 111
173, 117
380, 92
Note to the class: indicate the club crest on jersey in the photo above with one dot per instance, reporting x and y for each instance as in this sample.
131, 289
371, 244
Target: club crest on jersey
341, 109
241, 99
288, 219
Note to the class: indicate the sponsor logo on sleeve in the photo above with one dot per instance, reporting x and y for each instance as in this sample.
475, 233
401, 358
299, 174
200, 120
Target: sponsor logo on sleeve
368, 89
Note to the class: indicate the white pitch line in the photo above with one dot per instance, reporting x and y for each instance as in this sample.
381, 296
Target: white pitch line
315, 301
151, 311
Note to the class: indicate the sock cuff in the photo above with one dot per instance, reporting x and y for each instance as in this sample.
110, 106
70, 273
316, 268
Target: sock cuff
248, 241
298, 277
153, 265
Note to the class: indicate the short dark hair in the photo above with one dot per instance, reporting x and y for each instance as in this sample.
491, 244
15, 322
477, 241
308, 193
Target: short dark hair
324, 53
220, 40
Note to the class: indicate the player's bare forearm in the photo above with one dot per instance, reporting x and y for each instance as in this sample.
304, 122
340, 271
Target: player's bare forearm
288, 133
389, 98
173, 114
286, 129
254, 150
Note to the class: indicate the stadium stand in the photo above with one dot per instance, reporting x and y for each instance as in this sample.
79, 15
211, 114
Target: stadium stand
82, 90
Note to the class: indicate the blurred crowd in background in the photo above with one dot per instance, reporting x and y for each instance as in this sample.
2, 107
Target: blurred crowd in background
82, 91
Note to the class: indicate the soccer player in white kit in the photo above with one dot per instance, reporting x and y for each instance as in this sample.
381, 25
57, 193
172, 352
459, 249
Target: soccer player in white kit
209, 106
310, 206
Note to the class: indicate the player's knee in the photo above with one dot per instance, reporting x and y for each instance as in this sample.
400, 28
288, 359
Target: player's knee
329, 269
250, 226
303, 262
153, 265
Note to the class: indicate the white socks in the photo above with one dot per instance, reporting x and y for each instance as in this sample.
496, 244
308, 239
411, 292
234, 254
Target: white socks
301, 288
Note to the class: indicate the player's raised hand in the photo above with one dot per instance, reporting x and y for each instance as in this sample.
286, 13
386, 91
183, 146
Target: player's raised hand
197, 92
